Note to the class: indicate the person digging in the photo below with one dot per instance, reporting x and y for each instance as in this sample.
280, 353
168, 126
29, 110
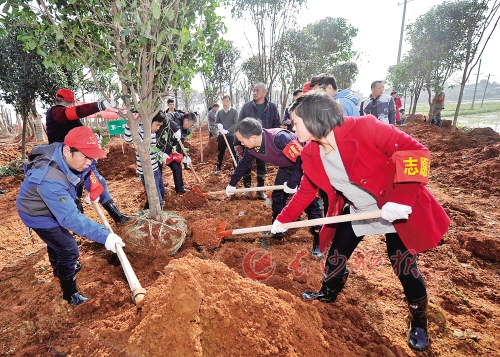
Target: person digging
281, 148
47, 203
365, 165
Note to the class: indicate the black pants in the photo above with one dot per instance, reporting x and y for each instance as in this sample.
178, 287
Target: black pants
221, 146
404, 263
177, 174
279, 196
61, 246
261, 169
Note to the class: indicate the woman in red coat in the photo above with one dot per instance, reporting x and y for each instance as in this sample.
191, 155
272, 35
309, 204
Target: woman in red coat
363, 165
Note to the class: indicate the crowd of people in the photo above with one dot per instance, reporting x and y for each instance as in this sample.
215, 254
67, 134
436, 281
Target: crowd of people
326, 145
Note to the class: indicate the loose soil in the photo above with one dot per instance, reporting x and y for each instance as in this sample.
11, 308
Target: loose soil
243, 297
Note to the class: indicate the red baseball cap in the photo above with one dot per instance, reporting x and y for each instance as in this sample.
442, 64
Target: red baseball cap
85, 141
65, 94
306, 88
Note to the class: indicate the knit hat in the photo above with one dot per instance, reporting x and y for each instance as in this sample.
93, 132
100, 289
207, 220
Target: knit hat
85, 141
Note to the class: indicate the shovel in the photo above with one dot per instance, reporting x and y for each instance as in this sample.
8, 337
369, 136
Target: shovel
237, 190
186, 154
138, 291
230, 151
311, 222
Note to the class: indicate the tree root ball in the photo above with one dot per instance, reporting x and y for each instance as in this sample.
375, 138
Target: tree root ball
155, 238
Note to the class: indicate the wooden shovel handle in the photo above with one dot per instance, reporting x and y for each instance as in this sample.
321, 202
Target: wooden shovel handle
185, 153
250, 189
311, 222
230, 151
138, 291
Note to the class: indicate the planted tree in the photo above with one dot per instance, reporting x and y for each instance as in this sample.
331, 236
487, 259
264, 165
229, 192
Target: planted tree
272, 19
434, 38
478, 20
149, 47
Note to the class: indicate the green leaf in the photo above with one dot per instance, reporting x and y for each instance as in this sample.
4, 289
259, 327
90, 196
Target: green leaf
126, 32
6, 8
156, 10
185, 36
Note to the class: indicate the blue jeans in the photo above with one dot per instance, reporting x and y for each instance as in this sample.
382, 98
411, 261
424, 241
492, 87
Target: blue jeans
62, 246
160, 187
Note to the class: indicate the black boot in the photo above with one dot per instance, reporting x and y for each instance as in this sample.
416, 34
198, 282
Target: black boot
418, 338
217, 170
316, 252
70, 292
329, 289
260, 183
115, 213
247, 183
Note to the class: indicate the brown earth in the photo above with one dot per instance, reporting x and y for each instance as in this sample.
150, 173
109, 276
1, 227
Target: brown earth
243, 298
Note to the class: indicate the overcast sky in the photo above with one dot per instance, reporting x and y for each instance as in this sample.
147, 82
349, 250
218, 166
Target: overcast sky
379, 28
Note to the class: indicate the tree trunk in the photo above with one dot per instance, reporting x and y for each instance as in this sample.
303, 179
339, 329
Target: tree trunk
23, 141
142, 148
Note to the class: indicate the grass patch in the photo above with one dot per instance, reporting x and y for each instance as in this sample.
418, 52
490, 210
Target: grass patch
465, 108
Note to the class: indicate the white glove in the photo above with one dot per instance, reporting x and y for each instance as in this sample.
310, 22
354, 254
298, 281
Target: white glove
112, 240
108, 105
165, 157
275, 229
288, 189
177, 134
393, 211
269, 202
88, 201
188, 160
221, 129
229, 188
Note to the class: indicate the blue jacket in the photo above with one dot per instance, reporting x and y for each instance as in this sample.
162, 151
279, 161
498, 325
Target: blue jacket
270, 117
347, 102
47, 195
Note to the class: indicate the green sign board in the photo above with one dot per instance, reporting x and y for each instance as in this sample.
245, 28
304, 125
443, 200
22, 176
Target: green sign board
116, 127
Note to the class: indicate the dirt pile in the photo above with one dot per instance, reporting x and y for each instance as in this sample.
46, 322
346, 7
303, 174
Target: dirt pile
203, 308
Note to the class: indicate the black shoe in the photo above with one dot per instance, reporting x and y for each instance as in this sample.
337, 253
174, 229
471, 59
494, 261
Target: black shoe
115, 213
70, 292
217, 171
418, 337
186, 167
181, 190
316, 252
78, 267
261, 195
76, 299
328, 293
278, 236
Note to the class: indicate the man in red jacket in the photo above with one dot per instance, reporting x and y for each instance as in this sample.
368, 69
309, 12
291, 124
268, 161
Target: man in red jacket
362, 172
63, 117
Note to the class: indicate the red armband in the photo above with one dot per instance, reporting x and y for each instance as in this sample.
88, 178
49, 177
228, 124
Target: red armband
292, 150
412, 166
71, 113
96, 188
